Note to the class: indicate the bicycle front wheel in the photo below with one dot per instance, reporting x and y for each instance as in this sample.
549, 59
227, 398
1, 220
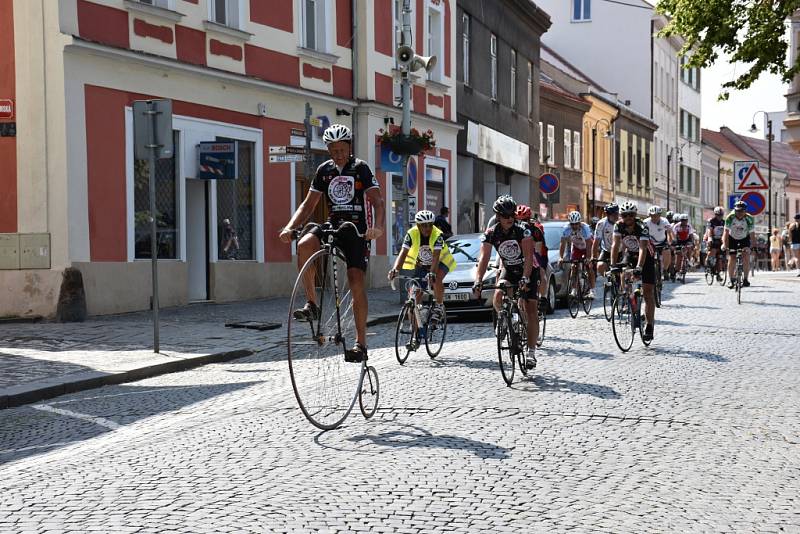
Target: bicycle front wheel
405, 336
542, 327
506, 346
573, 295
325, 386
435, 332
584, 292
608, 300
369, 394
622, 323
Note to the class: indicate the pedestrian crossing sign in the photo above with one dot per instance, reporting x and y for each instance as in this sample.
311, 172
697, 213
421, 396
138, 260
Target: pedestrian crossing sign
747, 177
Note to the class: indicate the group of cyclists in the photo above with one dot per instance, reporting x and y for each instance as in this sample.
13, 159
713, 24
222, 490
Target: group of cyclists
619, 238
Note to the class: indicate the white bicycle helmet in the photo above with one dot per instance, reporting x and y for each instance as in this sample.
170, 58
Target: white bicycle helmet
337, 132
424, 216
654, 210
628, 207
574, 217
719, 211
683, 217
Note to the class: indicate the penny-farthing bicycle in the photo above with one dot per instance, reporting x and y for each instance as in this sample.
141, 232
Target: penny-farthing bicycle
325, 385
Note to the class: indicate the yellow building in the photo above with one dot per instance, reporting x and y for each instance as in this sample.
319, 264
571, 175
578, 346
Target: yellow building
598, 132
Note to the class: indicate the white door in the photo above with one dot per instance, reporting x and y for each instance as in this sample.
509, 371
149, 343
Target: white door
197, 239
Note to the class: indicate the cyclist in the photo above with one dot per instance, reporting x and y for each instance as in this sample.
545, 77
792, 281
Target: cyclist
425, 252
715, 227
347, 183
670, 216
579, 236
515, 247
527, 219
683, 237
604, 237
738, 235
660, 235
632, 238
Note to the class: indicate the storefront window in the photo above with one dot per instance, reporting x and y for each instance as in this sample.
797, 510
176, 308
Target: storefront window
166, 208
235, 213
434, 189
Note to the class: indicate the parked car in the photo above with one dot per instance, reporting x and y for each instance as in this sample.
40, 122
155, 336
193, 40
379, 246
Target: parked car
458, 284
557, 290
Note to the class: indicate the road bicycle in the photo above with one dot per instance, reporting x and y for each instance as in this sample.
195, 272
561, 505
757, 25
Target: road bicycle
627, 316
659, 285
738, 275
325, 385
610, 292
511, 332
713, 269
681, 274
578, 288
418, 321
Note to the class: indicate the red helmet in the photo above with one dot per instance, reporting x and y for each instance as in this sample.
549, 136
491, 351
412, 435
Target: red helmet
523, 213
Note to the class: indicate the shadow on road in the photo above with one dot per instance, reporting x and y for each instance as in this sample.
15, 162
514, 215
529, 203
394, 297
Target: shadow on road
554, 384
417, 437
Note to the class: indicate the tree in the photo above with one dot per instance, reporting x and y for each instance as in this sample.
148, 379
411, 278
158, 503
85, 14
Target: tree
752, 32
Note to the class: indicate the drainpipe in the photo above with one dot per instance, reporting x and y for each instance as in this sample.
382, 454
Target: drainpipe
354, 50
719, 181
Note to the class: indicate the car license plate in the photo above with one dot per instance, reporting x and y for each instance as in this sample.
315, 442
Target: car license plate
457, 297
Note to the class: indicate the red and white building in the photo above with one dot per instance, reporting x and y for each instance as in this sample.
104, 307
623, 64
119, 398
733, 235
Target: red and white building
72, 194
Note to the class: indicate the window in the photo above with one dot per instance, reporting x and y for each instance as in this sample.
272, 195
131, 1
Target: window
630, 160
235, 211
647, 165
690, 75
313, 23
581, 10
434, 188
157, 3
616, 158
225, 12
465, 45
541, 147
567, 148
551, 144
436, 41
530, 90
576, 150
638, 165
513, 79
493, 66
166, 207
690, 126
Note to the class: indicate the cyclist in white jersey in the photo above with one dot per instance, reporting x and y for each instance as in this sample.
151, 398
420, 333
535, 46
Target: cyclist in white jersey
660, 235
603, 238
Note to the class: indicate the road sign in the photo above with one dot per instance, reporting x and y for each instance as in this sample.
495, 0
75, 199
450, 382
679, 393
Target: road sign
286, 158
315, 121
747, 177
299, 132
275, 149
548, 183
411, 175
733, 199
6, 108
216, 161
755, 202
412, 208
160, 113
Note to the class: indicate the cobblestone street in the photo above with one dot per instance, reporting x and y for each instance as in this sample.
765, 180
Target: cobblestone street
698, 432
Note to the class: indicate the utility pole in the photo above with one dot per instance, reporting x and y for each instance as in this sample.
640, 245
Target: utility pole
769, 171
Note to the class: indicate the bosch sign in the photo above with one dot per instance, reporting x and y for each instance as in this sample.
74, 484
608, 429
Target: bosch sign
6, 109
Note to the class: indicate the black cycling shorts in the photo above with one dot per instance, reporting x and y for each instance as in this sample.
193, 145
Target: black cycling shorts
605, 257
355, 248
649, 268
715, 244
513, 277
736, 244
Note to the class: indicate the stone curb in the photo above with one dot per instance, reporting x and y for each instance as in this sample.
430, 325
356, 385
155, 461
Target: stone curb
45, 390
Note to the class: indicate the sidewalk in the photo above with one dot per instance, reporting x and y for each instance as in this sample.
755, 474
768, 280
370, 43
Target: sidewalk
43, 360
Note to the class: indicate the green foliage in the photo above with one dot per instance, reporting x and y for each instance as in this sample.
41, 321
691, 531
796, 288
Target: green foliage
752, 32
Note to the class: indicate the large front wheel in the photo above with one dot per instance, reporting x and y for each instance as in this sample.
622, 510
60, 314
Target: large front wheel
622, 323
325, 386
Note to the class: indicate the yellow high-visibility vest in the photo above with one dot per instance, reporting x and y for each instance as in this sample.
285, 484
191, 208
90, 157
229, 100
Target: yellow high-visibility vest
445, 257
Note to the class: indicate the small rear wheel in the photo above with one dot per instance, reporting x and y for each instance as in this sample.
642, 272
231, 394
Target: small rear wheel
370, 393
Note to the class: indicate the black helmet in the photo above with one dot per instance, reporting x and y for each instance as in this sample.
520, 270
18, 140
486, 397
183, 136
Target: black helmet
611, 208
505, 205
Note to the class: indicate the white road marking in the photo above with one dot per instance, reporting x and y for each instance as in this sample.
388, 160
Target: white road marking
102, 421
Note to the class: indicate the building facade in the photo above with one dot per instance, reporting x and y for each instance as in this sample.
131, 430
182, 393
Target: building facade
688, 195
666, 114
236, 71
710, 176
633, 152
498, 105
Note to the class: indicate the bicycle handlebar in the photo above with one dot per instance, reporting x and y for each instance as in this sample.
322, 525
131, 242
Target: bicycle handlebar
297, 232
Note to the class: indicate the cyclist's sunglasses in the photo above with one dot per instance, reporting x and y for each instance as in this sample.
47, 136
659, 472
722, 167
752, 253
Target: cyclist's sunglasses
425, 225
501, 216
629, 214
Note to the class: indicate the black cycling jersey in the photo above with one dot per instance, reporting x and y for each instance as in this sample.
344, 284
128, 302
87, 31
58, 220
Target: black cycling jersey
344, 190
717, 227
630, 237
508, 244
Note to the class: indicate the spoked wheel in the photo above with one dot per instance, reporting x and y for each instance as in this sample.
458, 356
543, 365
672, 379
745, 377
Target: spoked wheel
435, 332
622, 323
405, 337
642, 328
659, 283
739, 287
709, 276
505, 347
542, 326
326, 387
573, 295
723, 276
521, 332
609, 294
369, 394
584, 292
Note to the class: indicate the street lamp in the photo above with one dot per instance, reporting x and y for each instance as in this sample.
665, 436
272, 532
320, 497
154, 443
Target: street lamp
754, 129
607, 135
669, 165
